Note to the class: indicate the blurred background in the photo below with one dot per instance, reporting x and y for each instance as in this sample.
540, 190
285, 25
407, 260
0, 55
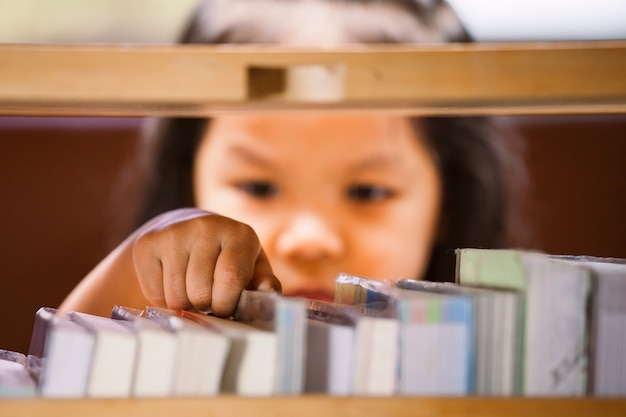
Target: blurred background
160, 21
69, 190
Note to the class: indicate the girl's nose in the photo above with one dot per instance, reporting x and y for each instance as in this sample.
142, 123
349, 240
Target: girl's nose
308, 236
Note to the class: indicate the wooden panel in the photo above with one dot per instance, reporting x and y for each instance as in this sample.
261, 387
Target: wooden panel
513, 78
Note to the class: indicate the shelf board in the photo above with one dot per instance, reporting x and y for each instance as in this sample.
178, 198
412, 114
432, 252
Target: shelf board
315, 406
200, 80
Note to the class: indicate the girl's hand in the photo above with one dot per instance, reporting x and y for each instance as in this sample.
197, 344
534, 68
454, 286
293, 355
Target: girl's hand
190, 259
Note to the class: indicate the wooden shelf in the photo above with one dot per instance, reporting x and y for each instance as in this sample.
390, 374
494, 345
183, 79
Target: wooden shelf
316, 406
190, 80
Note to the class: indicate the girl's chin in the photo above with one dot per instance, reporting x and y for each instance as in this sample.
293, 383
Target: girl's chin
328, 297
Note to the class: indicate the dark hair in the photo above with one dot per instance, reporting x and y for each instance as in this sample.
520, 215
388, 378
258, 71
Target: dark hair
473, 158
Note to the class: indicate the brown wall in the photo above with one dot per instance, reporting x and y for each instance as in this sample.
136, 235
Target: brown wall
61, 214
577, 169
57, 220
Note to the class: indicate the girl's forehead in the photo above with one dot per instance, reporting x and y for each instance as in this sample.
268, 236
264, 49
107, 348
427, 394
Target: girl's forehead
331, 137
310, 125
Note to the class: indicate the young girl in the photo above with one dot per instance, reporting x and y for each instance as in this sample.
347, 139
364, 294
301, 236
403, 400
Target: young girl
288, 201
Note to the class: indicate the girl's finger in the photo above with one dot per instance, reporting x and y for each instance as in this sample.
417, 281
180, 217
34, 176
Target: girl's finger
200, 270
149, 272
234, 269
174, 259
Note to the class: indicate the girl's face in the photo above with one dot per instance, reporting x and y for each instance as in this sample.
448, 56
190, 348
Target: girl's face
326, 194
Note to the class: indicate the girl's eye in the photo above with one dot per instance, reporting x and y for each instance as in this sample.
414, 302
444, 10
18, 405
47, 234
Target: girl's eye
362, 193
259, 189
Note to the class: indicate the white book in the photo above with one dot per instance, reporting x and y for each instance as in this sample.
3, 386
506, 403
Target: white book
67, 357
15, 380
556, 296
286, 318
436, 344
113, 360
376, 355
428, 335
252, 364
330, 350
43, 317
200, 356
609, 330
377, 352
156, 354
497, 327
607, 357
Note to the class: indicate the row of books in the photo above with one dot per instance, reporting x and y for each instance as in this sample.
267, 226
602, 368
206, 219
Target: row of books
515, 323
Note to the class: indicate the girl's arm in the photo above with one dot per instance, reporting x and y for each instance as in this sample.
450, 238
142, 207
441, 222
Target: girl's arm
184, 259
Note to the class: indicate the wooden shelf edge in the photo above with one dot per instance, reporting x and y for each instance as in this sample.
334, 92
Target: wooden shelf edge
532, 78
404, 109
315, 406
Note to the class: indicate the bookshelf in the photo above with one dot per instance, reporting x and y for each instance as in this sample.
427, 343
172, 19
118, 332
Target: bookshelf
480, 79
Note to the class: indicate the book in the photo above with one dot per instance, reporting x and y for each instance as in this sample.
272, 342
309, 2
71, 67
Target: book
608, 327
376, 353
377, 334
330, 367
15, 380
252, 363
156, 353
436, 344
67, 356
113, 358
353, 290
555, 298
435, 340
200, 355
497, 334
607, 349
43, 318
286, 318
